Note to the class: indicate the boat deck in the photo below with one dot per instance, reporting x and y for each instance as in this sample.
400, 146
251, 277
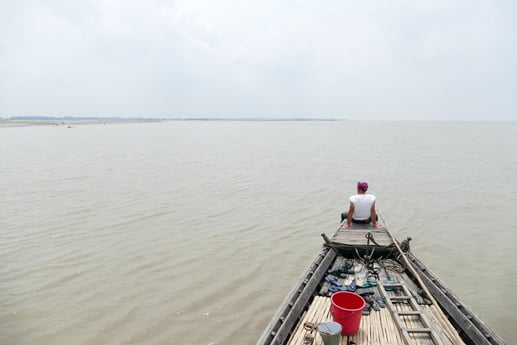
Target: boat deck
358, 237
362, 237
379, 327
408, 304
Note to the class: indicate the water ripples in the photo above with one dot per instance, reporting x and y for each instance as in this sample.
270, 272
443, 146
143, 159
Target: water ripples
185, 237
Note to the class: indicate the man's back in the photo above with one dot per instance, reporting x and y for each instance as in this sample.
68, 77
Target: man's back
362, 205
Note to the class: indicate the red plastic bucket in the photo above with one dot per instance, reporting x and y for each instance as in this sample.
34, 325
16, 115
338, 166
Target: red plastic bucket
346, 309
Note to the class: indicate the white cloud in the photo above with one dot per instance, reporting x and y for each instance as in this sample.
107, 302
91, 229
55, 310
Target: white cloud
375, 60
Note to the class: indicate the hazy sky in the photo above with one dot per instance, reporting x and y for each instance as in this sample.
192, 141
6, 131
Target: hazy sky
361, 60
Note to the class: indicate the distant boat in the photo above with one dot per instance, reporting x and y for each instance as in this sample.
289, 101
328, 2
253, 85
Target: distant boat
399, 300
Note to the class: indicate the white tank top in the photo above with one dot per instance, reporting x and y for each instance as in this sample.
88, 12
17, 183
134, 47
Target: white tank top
362, 205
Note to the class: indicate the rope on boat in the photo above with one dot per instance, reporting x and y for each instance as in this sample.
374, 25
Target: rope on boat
445, 321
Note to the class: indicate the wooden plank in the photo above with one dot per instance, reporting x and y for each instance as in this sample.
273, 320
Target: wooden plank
358, 237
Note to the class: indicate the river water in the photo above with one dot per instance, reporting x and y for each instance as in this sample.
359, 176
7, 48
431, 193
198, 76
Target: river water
194, 232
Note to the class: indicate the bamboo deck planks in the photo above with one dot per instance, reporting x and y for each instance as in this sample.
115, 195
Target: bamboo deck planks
377, 328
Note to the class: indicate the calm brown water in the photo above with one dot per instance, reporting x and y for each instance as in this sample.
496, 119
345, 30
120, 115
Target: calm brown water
194, 232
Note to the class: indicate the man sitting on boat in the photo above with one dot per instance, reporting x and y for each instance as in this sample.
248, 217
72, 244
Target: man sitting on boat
362, 208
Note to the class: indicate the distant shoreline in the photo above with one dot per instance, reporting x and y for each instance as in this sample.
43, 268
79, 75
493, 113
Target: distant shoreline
29, 122
71, 121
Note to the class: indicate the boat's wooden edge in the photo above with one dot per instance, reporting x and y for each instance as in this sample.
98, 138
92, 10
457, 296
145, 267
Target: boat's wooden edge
473, 329
296, 301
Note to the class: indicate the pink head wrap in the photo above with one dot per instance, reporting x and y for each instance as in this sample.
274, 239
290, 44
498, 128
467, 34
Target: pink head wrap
362, 186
